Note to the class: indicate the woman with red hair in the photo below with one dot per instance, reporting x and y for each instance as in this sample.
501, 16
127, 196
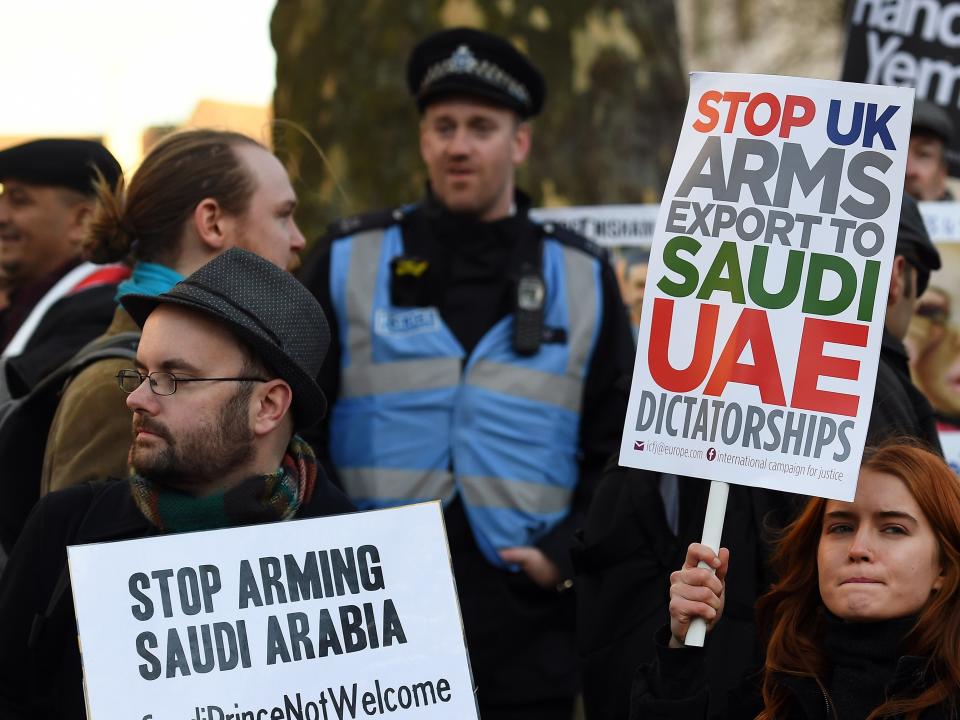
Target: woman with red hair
864, 622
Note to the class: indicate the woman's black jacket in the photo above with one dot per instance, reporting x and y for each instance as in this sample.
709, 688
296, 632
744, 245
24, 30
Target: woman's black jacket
674, 687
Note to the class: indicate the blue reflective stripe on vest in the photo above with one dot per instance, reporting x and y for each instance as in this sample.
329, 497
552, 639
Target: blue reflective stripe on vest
508, 426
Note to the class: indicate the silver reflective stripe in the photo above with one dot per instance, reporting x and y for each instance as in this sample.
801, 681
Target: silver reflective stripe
581, 308
359, 380
561, 390
514, 495
402, 484
361, 289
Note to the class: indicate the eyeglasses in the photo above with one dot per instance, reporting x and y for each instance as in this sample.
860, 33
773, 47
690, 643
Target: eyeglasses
164, 383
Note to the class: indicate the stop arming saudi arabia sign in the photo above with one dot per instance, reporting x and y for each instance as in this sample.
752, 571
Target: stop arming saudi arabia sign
761, 325
335, 618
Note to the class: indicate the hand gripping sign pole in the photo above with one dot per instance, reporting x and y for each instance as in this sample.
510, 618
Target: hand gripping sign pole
712, 529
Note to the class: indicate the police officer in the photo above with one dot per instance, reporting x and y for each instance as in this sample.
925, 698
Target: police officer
474, 360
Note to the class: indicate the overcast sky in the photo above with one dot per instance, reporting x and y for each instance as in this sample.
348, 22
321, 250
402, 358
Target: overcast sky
106, 67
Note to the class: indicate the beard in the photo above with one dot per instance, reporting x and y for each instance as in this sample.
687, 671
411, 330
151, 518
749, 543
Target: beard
208, 452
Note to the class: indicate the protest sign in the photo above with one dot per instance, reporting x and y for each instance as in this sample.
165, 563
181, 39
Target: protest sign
762, 319
606, 225
352, 616
942, 220
617, 226
912, 43
950, 442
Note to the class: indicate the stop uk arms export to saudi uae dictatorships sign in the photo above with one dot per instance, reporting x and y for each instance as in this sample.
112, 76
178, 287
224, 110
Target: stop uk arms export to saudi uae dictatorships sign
762, 321
335, 618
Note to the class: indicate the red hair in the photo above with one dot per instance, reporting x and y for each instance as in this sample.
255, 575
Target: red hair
791, 608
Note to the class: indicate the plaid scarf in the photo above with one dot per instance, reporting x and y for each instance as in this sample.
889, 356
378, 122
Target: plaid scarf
261, 498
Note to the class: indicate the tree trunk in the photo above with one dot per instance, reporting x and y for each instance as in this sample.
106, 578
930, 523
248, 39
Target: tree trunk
615, 100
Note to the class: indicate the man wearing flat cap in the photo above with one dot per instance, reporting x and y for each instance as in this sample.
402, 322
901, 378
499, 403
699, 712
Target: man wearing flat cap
899, 408
473, 360
225, 375
57, 302
931, 133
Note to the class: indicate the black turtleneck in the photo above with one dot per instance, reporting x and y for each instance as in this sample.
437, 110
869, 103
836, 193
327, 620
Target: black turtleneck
863, 660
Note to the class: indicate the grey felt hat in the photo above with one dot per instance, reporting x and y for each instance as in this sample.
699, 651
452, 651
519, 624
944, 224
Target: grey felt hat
265, 307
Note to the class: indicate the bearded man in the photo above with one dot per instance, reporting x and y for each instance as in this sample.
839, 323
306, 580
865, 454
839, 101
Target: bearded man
225, 375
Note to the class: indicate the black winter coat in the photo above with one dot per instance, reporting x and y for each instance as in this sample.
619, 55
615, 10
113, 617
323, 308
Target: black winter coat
674, 687
624, 559
40, 672
69, 324
898, 407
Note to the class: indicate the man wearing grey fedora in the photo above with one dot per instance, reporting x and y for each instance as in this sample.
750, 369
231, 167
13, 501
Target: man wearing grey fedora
224, 377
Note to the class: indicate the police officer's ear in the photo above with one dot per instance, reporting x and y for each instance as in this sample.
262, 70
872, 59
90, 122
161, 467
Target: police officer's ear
521, 141
211, 225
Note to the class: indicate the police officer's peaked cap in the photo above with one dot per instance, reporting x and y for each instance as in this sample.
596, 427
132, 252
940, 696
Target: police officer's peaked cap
913, 240
932, 118
59, 163
265, 307
465, 61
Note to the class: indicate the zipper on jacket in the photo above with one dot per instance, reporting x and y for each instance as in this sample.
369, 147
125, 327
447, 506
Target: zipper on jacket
826, 702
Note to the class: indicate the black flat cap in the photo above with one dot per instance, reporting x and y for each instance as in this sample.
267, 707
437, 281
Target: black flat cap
913, 242
932, 118
265, 307
60, 163
465, 61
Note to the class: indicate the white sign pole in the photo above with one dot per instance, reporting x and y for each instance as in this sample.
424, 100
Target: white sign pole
712, 529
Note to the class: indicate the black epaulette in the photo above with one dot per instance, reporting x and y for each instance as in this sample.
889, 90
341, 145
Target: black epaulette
566, 236
367, 221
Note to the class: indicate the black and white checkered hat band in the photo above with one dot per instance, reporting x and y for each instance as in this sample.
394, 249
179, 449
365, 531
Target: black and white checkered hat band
464, 62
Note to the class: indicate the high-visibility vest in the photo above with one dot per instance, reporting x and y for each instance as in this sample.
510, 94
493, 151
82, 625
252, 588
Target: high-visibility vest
416, 419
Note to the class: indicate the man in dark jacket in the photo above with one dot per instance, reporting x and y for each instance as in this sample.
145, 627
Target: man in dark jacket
57, 302
899, 408
225, 373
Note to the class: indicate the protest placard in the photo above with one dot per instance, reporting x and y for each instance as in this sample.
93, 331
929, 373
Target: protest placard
352, 616
913, 43
606, 225
762, 320
620, 226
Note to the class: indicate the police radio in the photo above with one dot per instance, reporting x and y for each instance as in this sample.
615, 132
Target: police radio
528, 312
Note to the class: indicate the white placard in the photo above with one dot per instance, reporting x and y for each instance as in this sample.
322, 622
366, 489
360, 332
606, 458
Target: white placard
766, 290
633, 225
350, 616
607, 225
950, 442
